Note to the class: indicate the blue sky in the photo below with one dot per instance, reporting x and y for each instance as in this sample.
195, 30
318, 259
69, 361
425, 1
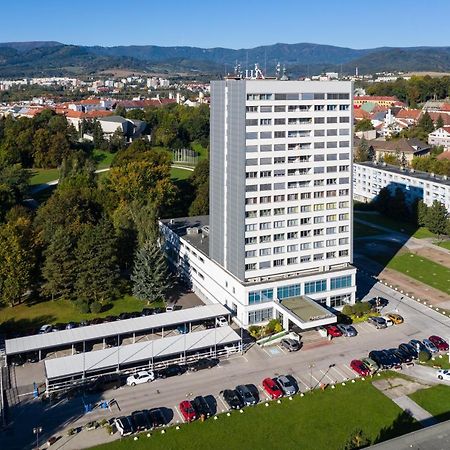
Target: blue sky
228, 23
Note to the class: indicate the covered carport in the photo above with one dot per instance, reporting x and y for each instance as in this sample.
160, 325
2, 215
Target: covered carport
64, 372
81, 335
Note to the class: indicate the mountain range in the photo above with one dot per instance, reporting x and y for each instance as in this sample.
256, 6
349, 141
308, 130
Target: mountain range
49, 58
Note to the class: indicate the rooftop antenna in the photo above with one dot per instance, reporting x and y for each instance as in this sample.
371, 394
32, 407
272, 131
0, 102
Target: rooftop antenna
258, 73
277, 70
284, 77
265, 60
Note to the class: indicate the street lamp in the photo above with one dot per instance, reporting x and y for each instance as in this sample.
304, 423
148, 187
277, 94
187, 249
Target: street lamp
36, 431
311, 366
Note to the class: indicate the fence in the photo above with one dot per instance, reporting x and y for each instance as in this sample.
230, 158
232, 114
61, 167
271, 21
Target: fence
185, 155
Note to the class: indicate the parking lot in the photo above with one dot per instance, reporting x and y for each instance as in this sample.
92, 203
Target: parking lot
319, 362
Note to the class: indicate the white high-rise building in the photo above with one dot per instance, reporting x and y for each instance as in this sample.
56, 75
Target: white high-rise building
278, 241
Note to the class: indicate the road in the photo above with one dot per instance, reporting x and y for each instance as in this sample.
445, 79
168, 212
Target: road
310, 367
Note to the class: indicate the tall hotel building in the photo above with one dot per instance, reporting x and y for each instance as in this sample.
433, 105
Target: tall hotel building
278, 241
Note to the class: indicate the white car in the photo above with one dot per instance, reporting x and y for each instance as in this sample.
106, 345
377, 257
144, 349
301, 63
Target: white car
443, 374
45, 329
389, 322
170, 308
143, 376
221, 321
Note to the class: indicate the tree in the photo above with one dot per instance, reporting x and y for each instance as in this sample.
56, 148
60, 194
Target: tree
13, 186
200, 205
426, 123
364, 125
362, 151
436, 219
422, 213
357, 440
117, 141
97, 265
439, 122
150, 281
59, 269
17, 260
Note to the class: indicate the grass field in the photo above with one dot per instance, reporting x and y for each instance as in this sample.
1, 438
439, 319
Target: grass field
202, 151
435, 400
179, 174
103, 159
443, 362
443, 244
26, 316
318, 421
401, 227
40, 176
422, 269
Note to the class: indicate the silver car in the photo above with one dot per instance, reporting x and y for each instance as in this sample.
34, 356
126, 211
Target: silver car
377, 322
286, 385
347, 330
430, 346
290, 344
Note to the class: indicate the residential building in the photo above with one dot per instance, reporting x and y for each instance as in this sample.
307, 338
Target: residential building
379, 100
278, 241
369, 178
441, 136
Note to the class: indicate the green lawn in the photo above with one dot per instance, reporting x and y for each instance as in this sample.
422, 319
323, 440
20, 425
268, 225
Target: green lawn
40, 176
422, 269
103, 159
322, 420
443, 362
443, 244
180, 174
435, 400
363, 230
26, 316
401, 227
202, 151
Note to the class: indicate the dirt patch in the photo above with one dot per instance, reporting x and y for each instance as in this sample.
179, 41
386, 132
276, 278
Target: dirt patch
398, 387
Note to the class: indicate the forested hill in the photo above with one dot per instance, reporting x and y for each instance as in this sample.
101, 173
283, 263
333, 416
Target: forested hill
53, 58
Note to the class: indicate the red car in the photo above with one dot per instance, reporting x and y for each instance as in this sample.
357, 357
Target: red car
360, 368
333, 330
439, 343
272, 388
187, 411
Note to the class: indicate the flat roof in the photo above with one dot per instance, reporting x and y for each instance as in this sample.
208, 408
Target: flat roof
119, 327
425, 176
142, 351
306, 308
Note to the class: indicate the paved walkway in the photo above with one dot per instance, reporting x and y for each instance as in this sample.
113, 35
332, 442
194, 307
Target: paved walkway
414, 410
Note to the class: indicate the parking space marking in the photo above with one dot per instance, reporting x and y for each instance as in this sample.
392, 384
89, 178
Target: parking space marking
179, 413
264, 392
341, 374
314, 378
348, 371
325, 375
223, 402
282, 349
301, 381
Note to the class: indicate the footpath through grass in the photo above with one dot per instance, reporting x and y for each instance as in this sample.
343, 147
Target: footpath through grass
28, 316
318, 421
422, 269
435, 400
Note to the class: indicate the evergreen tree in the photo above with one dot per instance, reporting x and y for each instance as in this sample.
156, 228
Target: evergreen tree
97, 266
362, 151
422, 213
59, 266
437, 216
150, 280
439, 122
426, 123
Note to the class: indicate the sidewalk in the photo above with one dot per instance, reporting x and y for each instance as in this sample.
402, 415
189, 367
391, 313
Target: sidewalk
414, 410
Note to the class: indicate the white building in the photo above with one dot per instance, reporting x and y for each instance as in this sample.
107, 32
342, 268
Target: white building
369, 178
441, 136
278, 241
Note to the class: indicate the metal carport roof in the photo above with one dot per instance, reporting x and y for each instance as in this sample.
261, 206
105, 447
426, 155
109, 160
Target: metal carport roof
119, 327
143, 351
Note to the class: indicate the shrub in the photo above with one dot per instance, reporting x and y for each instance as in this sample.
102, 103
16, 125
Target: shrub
278, 327
365, 307
358, 309
83, 307
255, 331
270, 327
347, 310
424, 356
95, 307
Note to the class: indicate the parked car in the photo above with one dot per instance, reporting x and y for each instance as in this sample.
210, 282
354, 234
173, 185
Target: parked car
170, 308
377, 322
144, 376
146, 312
443, 374
170, 371
32, 357
360, 368
392, 355
208, 324
203, 363
418, 345
371, 364
439, 343
141, 421
71, 325
187, 411
378, 303
272, 388
410, 349
397, 319
124, 316
45, 329
124, 425
290, 344
156, 417
381, 359
183, 328
246, 395
333, 330
389, 322
232, 399
105, 382
286, 385
201, 407
430, 346
347, 330
404, 356
221, 321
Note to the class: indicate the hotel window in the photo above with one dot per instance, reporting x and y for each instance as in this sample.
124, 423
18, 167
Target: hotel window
265, 173
292, 222
332, 218
265, 122
265, 226
311, 287
292, 235
251, 201
278, 211
264, 295
319, 219
331, 255
331, 205
252, 135
251, 122
291, 197
250, 240
293, 209
318, 244
279, 160
318, 207
341, 282
260, 315
265, 251
250, 254
251, 266
343, 253
319, 119
318, 232
280, 108
343, 241
251, 109
250, 227
251, 175
293, 260
280, 121
265, 212
278, 250
331, 107
292, 248
265, 199
278, 198
339, 300
304, 259
265, 238
331, 242
279, 134
278, 237
305, 208
290, 291
318, 256
344, 119
264, 264
305, 246
305, 233
278, 224
331, 230
278, 262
